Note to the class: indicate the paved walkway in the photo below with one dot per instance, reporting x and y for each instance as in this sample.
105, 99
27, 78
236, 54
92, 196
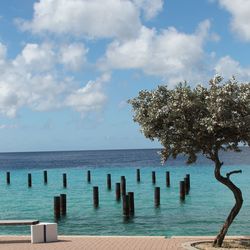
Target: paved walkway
93, 243
98, 243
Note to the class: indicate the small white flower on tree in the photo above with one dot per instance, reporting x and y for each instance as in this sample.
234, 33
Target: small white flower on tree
200, 120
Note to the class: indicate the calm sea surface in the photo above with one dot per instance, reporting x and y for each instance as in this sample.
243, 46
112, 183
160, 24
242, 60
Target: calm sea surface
202, 213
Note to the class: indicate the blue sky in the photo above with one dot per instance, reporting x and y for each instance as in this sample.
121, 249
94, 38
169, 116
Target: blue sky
68, 66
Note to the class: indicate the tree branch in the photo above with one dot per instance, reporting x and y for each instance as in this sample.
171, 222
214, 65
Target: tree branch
233, 172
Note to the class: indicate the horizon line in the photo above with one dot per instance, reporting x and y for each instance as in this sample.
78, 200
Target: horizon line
77, 150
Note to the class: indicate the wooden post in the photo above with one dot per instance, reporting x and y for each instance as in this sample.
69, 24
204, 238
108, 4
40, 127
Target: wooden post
131, 203
109, 181
153, 177
157, 196
186, 186
8, 178
188, 180
57, 214
96, 196
125, 204
29, 180
118, 191
64, 180
88, 176
45, 177
182, 190
138, 175
63, 204
123, 185
168, 179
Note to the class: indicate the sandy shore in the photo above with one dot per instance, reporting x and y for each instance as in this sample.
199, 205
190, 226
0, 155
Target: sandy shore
101, 243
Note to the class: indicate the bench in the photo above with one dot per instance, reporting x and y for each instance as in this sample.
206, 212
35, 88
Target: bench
40, 232
18, 222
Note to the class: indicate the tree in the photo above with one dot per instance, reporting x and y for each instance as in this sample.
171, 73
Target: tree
199, 120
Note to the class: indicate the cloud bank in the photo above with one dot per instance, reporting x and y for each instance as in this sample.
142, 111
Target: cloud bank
173, 55
93, 19
240, 11
43, 75
32, 79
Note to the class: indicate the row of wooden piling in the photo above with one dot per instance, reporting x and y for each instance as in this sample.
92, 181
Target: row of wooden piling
127, 198
120, 192
120, 189
60, 203
45, 177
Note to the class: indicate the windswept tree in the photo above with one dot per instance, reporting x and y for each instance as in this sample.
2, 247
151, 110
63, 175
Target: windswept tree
199, 120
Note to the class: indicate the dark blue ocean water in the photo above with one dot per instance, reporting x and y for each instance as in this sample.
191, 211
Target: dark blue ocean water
106, 158
202, 213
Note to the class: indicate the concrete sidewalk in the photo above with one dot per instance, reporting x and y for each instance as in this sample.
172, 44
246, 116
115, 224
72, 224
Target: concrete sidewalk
99, 243
93, 243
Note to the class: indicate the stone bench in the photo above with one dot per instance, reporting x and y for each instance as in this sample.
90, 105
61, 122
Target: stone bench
40, 232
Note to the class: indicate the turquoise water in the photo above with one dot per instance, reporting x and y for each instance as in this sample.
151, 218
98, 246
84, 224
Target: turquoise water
202, 213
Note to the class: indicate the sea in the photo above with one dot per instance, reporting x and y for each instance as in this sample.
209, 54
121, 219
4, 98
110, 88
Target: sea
202, 213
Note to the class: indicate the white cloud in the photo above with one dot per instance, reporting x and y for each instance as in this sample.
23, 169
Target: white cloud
33, 80
36, 57
3, 52
171, 54
114, 18
30, 80
8, 100
20, 88
44, 57
150, 7
134, 53
227, 67
240, 11
90, 97
73, 56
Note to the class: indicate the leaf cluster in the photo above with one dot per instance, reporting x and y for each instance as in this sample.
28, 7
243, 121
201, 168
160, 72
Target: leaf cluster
203, 119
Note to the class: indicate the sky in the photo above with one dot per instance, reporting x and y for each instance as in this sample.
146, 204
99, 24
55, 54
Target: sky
68, 67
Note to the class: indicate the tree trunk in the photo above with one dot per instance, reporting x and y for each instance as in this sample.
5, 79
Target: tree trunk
238, 201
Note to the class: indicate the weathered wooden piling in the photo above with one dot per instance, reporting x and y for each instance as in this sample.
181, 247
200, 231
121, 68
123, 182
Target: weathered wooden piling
88, 176
95, 196
64, 180
186, 186
153, 177
182, 190
157, 196
118, 191
188, 180
109, 181
57, 213
45, 177
63, 204
123, 185
131, 203
8, 178
138, 175
125, 205
29, 180
168, 179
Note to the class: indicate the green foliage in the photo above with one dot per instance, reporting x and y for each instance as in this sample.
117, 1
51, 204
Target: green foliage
186, 120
